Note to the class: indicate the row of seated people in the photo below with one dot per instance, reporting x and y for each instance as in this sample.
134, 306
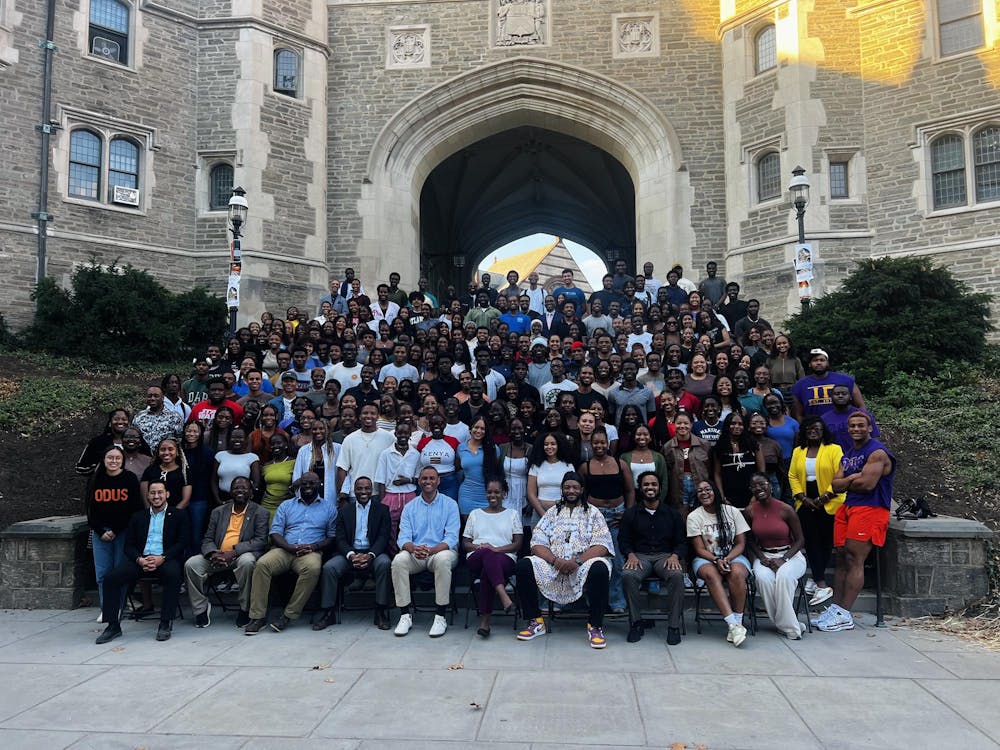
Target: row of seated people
572, 555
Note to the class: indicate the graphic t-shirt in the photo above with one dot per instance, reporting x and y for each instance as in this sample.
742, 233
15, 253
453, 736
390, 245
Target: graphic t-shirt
706, 525
437, 453
814, 392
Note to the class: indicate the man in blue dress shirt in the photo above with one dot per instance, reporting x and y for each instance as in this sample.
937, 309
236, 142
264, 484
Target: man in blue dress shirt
428, 539
303, 527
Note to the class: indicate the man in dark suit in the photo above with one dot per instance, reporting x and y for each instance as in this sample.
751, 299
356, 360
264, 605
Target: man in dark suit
362, 540
551, 318
236, 537
154, 546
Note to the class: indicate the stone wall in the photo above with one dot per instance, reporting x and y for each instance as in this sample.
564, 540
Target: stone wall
934, 565
43, 563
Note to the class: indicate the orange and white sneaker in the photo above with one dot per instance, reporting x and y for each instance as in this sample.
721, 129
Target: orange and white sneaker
533, 629
596, 637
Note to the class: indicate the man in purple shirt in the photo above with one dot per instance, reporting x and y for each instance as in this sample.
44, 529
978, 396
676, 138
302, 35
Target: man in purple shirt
836, 418
865, 475
812, 394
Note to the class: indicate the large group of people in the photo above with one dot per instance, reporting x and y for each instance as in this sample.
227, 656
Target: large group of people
561, 446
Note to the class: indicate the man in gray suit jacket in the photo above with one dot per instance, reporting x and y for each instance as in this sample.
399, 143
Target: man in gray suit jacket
236, 537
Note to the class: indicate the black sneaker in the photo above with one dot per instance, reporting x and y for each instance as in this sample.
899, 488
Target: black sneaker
110, 633
635, 632
203, 619
163, 632
280, 624
673, 636
254, 626
242, 619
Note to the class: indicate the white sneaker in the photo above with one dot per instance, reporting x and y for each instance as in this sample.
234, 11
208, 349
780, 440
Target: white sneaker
688, 584
737, 634
100, 617
837, 621
438, 628
810, 586
826, 614
820, 595
404, 624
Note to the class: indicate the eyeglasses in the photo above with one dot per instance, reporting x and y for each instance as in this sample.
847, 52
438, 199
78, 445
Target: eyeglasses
704, 491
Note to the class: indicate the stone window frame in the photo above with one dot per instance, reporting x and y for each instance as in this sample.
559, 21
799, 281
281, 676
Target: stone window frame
134, 49
279, 48
222, 204
750, 157
855, 174
207, 162
756, 164
108, 129
965, 127
754, 33
989, 23
9, 18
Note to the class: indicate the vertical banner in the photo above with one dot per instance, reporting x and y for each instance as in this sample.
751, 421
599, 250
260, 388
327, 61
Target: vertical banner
804, 258
235, 270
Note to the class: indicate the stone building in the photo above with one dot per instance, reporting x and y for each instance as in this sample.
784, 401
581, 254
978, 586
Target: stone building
406, 134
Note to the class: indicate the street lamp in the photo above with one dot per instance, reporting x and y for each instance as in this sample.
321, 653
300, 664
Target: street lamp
238, 209
799, 189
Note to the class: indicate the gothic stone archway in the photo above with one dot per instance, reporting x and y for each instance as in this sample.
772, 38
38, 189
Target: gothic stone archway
517, 93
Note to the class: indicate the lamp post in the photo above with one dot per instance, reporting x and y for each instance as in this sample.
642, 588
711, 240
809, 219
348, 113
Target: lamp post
238, 208
799, 189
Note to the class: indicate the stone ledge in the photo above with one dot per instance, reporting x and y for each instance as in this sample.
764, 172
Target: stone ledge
941, 527
52, 527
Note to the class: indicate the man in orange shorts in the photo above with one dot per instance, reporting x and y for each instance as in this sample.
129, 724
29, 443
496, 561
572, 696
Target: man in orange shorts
866, 473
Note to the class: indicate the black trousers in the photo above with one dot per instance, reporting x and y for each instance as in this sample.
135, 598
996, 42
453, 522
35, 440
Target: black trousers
817, 534
595, 588
122, 578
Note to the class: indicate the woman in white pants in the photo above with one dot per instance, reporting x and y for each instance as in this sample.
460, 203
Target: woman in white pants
777, 545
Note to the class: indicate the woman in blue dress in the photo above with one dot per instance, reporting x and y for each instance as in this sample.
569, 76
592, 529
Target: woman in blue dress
479, 459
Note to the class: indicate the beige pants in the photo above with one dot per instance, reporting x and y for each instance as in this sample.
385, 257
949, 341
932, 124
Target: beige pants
279, 561
197, 570
404, 564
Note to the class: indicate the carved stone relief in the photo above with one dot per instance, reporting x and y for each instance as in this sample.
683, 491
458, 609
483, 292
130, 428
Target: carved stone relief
408, 47
635, 35
521, 23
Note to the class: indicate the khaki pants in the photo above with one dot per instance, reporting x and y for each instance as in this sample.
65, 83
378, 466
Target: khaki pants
276, 562
404, 564
197, 570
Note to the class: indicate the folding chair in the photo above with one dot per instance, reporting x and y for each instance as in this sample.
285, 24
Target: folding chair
653, 616
134, 610
749, 612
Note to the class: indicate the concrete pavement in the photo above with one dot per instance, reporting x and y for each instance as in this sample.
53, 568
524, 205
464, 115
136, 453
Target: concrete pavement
353, 686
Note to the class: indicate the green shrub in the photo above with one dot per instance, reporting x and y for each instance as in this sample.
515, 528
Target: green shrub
122, 314
892, 316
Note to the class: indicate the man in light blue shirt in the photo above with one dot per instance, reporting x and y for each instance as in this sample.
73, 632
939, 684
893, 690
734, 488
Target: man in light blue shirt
428, 540
303, 527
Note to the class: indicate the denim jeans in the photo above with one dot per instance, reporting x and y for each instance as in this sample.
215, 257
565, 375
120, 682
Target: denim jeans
688, 495
107, 556
616, 594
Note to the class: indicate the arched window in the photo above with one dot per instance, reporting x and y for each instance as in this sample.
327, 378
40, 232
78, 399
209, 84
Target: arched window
286, 72
220, 187
84, 164
109, 30
123, 165
948, 171
765, 49
986, 157
768, 177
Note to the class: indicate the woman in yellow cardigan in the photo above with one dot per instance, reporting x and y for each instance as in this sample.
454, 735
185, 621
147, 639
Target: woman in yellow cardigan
815, 461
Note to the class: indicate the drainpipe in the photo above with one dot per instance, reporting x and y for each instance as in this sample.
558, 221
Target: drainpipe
45, 128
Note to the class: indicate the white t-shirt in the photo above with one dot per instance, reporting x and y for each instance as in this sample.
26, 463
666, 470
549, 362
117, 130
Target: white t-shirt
550, 391
704, 524
497, 529
459, 431
406, 372
388, 467
360, 451
348, 377
549, 477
